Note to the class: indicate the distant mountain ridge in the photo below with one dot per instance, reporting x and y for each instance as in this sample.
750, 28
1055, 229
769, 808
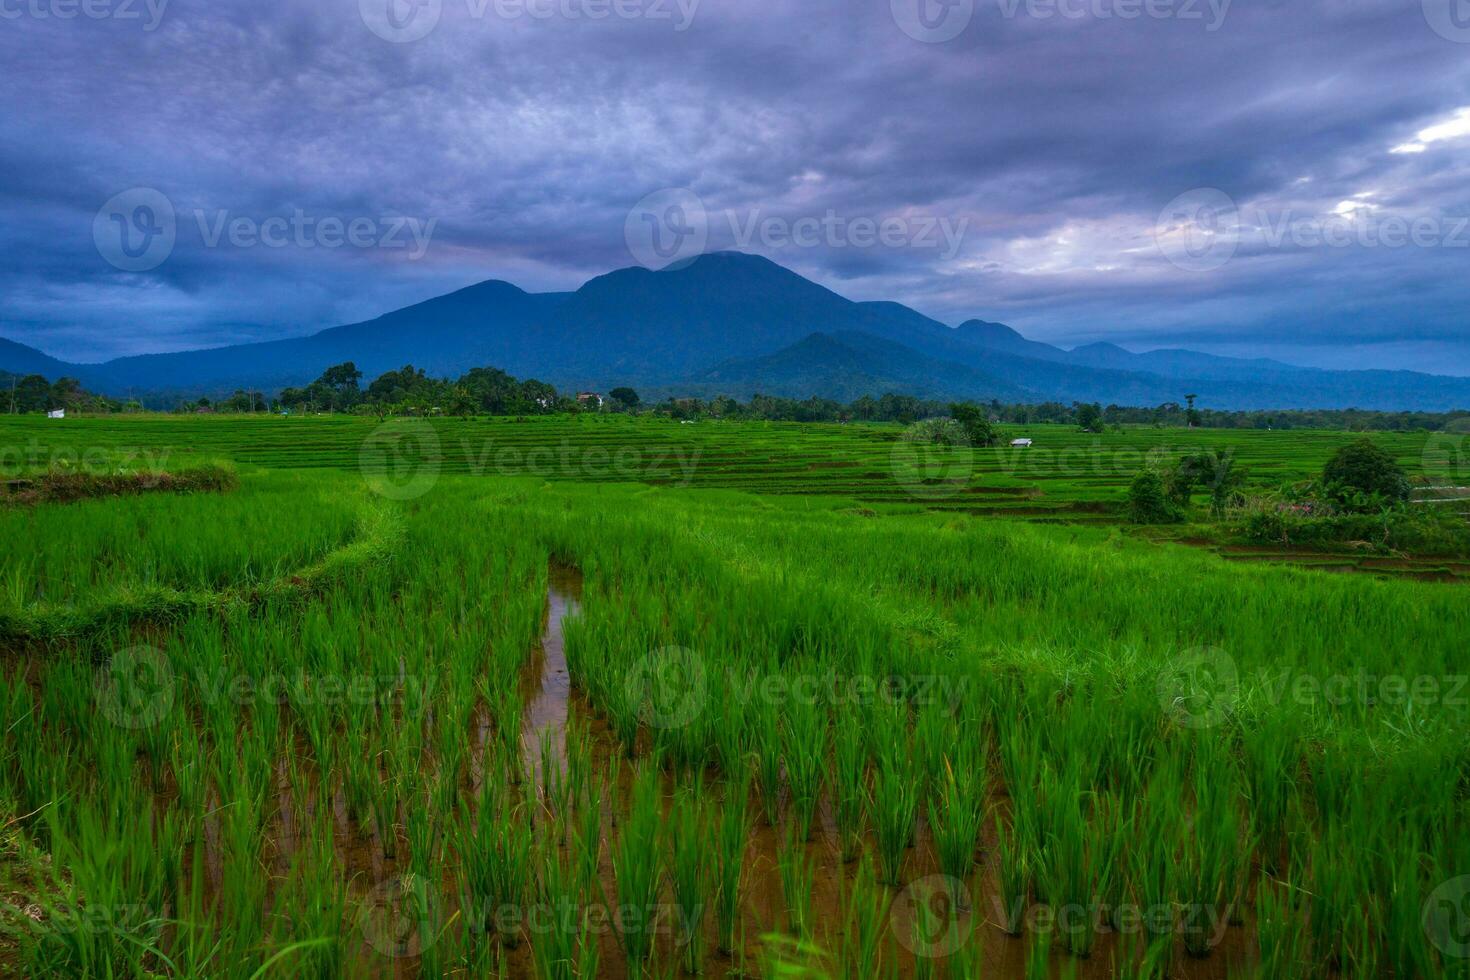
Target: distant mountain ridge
738, 324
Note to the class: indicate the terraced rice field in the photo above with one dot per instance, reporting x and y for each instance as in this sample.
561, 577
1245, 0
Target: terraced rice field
554, 726
1067, 473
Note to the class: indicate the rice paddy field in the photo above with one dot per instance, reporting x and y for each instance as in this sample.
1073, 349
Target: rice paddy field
590, 697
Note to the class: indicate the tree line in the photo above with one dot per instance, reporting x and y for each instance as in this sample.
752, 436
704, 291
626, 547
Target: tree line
491, 391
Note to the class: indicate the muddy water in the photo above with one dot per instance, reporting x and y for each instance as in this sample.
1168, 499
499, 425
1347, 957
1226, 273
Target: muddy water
552, 702
546, 687
553, 706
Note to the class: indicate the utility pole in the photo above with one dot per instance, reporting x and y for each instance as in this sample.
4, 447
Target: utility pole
13, 379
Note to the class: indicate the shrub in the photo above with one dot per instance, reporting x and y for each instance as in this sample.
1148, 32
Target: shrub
976, 423
1147, 502
1362, 476
939, 432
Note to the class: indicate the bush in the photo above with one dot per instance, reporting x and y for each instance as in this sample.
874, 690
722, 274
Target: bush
1363, 477
976, 423
938, 432
1147, 501
1437, 531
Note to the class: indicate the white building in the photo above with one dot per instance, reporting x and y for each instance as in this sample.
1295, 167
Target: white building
1021, 443
56, 413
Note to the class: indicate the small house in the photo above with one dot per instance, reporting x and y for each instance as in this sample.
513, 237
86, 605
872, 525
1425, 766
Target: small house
1020, 443
589, 398
56, 413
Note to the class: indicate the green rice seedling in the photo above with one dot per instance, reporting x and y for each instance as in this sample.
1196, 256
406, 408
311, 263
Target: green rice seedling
798, 874
690, 870
385, 815
244, 882
968, 963
729, 735
191, 774
935, 739
1038, 957
731, 834
566, 949
1151, 962
579, 775
494, 847
765, 740
1072, 864
956, 816
624, 705
1339, 918
422, 827
849, 783
556, 783
1016, 867
1210, 862
638, 867
805, 754
103, 913
588, 836
1280, 933
1154, 869
1270, 754
894, 810
865, 921
1113, 829
313, 907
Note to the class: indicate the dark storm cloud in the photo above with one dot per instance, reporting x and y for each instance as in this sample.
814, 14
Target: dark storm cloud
1045, 136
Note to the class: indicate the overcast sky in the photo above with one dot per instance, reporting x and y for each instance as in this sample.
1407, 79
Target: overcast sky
1284, 178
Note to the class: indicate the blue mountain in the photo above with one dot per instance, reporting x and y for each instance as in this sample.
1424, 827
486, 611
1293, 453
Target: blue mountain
737, 324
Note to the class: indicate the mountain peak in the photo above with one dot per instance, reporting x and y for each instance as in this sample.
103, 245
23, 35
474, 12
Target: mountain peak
1100, 347
985, 330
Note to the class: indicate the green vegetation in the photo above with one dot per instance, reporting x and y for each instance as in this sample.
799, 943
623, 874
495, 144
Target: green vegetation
1362, 476
330, 757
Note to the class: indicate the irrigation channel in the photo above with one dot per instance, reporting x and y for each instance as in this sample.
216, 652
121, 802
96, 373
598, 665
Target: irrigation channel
555, 712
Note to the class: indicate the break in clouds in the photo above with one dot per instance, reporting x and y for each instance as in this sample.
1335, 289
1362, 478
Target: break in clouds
1037, 162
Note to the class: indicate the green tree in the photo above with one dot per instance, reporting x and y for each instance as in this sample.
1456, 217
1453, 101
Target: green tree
1147, 502
1191, 414
975, 421
624, 398
1363, 476
32, 394
1090, 417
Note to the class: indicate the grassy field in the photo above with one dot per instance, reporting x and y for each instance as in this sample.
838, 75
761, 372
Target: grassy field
812, 710
1065, 468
